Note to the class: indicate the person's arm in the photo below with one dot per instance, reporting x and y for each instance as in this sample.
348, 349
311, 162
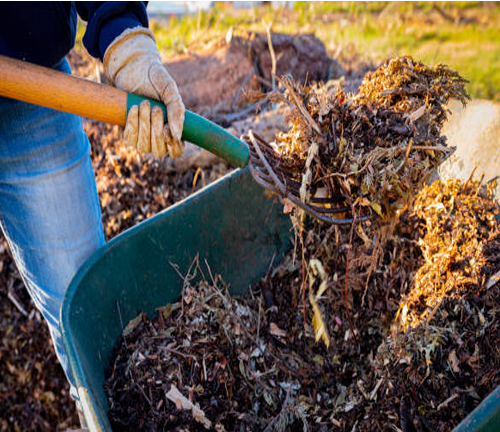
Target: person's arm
118, 34
107, 20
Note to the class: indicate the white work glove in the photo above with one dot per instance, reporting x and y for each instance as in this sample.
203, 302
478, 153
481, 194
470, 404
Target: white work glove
132, 62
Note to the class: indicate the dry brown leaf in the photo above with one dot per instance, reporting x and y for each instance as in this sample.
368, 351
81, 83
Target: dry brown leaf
132, 325
276, 331
454, 362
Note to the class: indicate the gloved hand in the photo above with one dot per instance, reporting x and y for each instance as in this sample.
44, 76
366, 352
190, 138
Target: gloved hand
132, 62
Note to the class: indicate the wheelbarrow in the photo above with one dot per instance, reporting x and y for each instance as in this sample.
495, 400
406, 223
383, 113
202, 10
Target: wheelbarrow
232, 225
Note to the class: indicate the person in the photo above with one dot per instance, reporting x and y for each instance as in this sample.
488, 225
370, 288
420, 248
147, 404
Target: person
49, 207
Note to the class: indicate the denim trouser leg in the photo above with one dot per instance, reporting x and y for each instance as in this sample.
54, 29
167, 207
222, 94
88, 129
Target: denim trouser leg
49, 208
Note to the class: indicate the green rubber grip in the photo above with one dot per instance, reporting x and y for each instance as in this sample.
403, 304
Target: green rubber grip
202, 132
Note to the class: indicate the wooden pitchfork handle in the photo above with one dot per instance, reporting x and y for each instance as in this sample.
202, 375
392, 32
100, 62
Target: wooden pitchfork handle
49, 88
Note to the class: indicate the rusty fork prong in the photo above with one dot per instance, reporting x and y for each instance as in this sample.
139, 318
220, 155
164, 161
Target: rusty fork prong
281, 187
266, 176
308, 209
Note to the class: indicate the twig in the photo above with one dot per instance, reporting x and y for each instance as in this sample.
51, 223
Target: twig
174, 351
263, 81
303, 110
437, 148
303, 282
210, 273
176, 268
266, 278
375, 390
493, 280
407, 154
16, 302
231, 117
447, 401
144, 394
195, 179
238, 94
273, 55
346, 290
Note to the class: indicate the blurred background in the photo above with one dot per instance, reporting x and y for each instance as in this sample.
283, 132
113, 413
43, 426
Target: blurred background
215, 51
464, 35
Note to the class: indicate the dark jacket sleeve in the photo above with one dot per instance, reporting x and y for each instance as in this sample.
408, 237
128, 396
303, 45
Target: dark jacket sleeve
107, 20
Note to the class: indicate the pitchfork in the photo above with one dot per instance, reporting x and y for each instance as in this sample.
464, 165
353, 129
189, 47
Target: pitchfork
52, 89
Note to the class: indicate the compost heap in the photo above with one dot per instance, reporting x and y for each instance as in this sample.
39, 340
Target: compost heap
213, 362
375, 148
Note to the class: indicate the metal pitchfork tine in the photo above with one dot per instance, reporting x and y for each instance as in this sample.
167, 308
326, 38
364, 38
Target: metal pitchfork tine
268, 172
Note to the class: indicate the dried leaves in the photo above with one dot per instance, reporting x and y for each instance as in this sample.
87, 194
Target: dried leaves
375, 148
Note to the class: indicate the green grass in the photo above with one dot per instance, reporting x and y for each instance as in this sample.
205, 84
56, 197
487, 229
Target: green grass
376, 30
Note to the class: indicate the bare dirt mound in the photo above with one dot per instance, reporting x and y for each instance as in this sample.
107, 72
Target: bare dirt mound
217, 77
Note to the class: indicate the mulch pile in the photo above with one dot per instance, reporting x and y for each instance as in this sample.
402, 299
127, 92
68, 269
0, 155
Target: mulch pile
374, 148
461, 225
256, 363
213, 362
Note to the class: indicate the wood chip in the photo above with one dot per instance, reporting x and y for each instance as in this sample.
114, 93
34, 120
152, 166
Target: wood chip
181, 402
276, 331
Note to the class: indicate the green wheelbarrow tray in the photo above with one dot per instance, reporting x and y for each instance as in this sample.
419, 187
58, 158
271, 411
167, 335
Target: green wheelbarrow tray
231, 224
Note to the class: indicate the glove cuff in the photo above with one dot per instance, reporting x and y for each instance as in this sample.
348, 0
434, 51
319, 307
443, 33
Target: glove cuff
128, 46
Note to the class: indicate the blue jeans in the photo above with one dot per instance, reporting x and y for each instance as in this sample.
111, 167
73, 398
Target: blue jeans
49, 208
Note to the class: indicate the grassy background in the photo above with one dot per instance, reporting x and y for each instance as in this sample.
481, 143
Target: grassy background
464, 35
